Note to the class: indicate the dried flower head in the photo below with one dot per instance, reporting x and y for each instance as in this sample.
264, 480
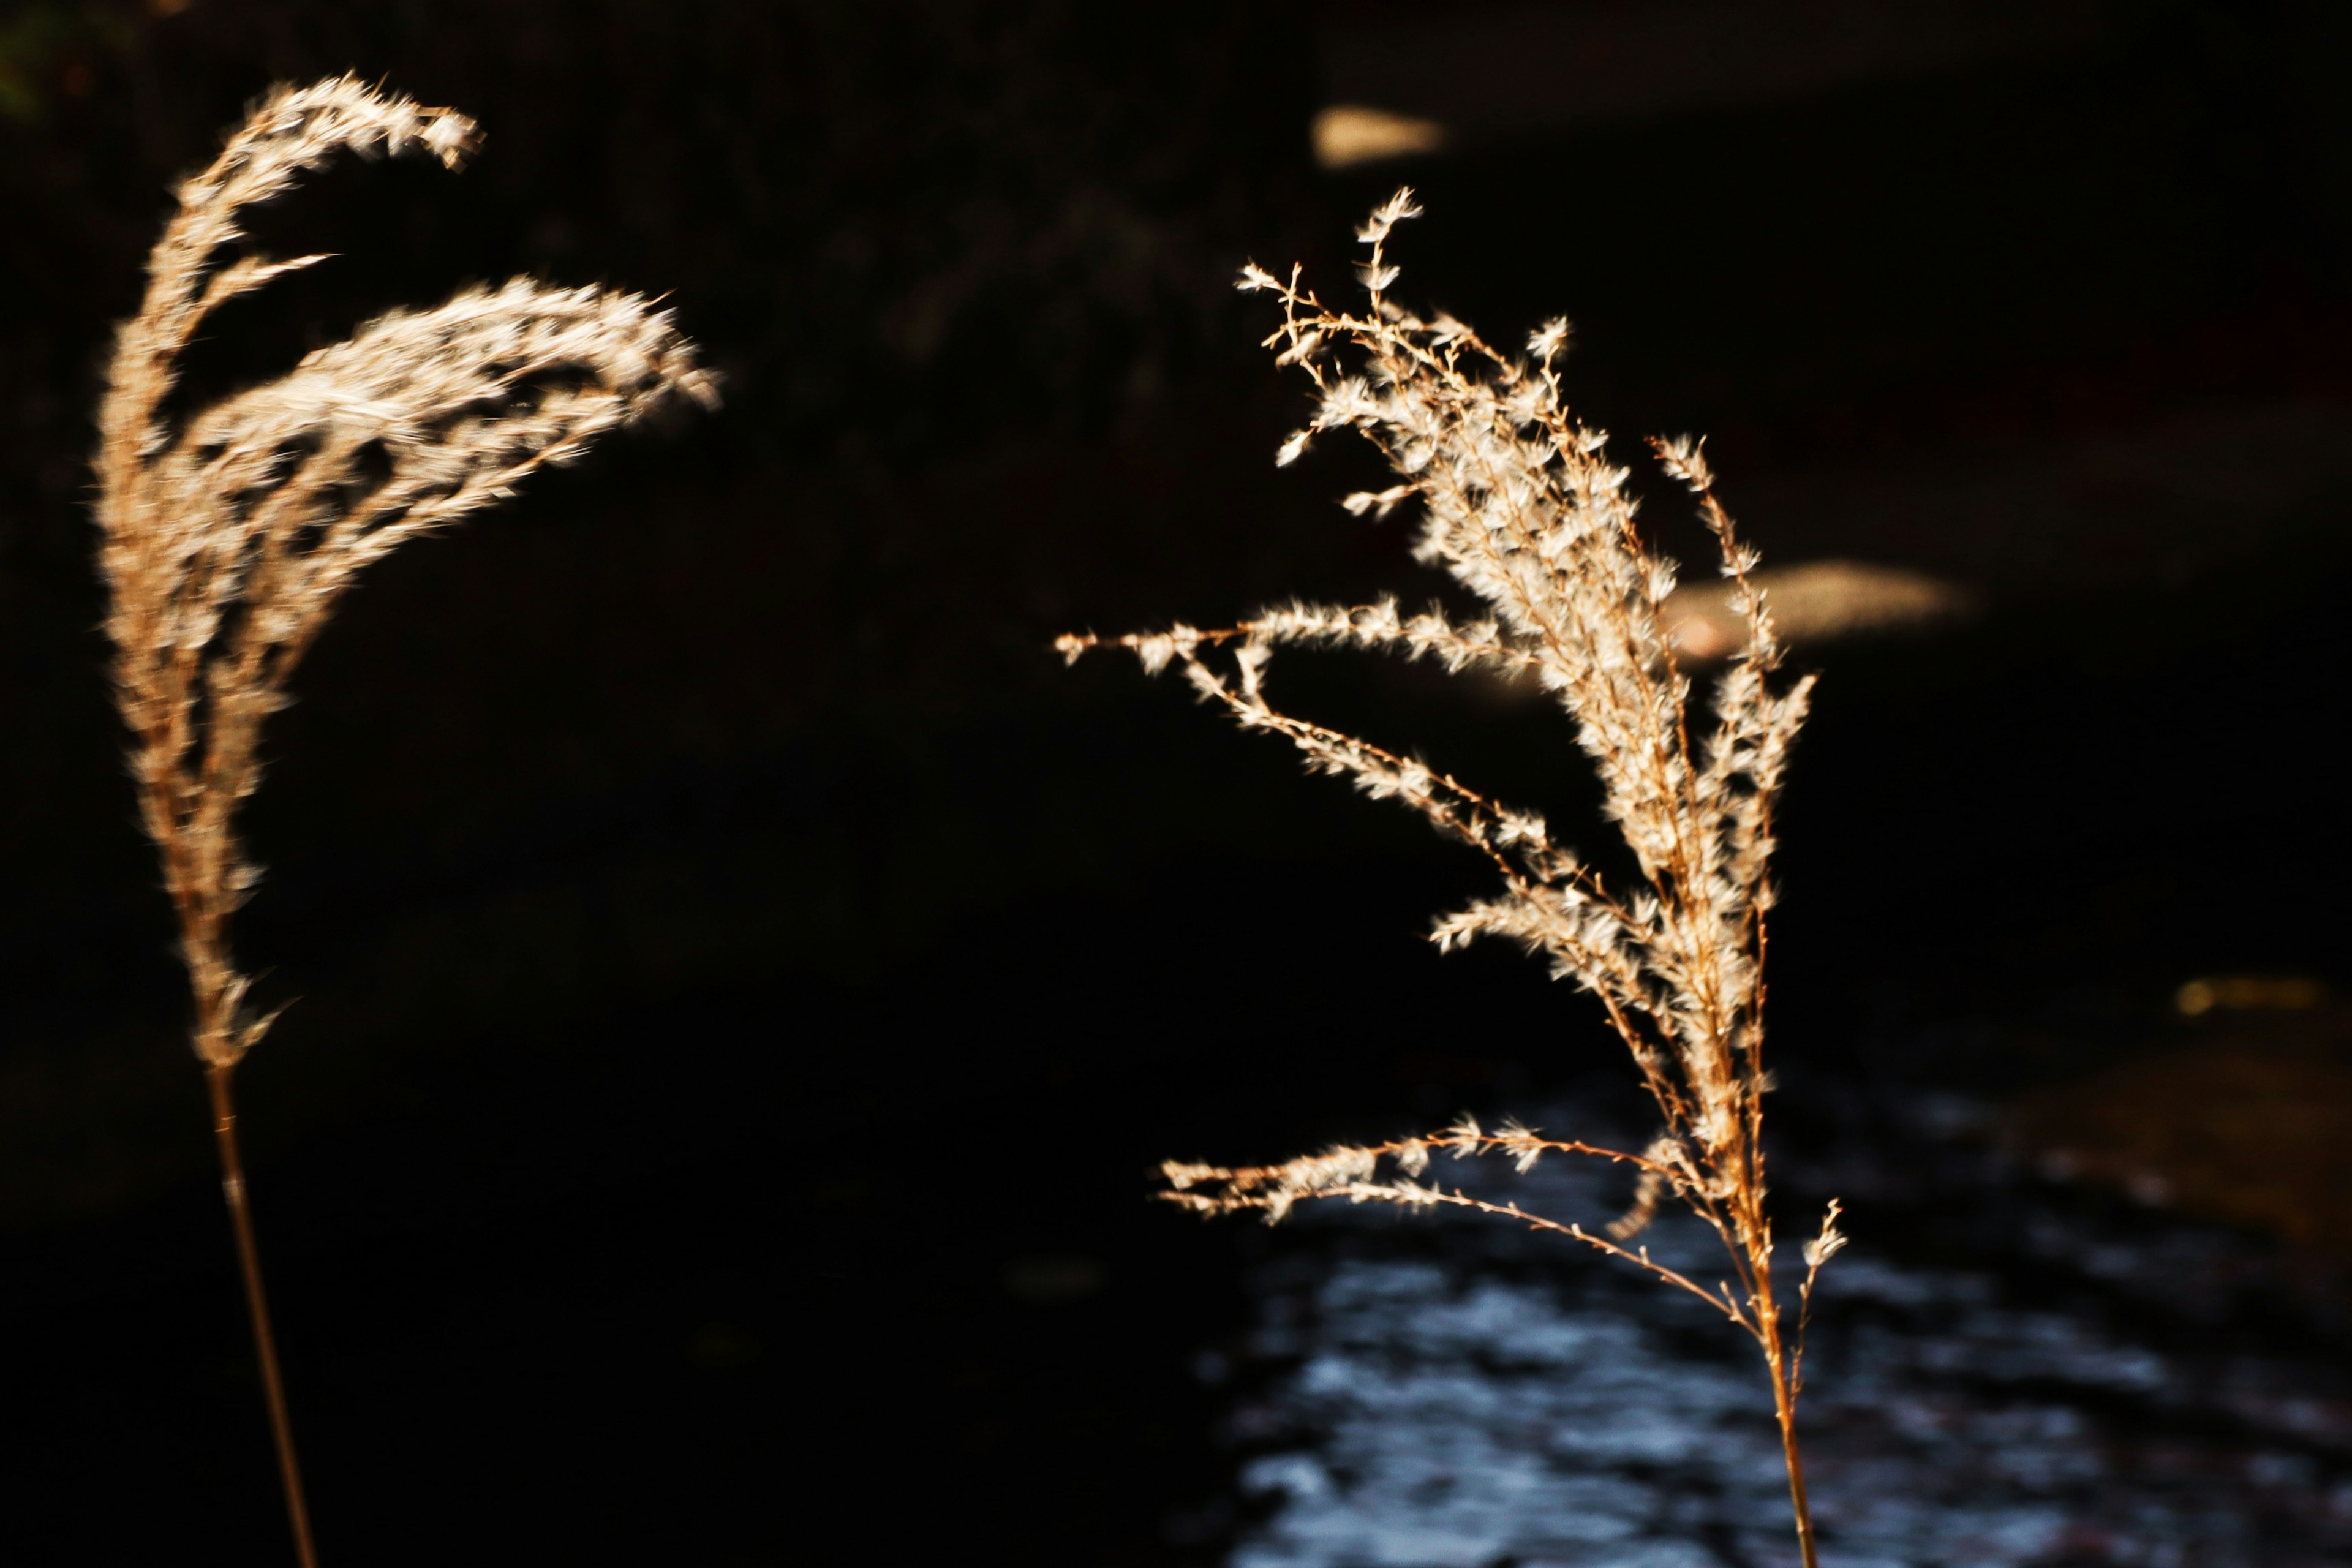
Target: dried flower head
228, 536
1520, 503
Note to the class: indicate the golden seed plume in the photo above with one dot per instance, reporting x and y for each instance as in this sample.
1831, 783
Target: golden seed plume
228, 536
1520, 505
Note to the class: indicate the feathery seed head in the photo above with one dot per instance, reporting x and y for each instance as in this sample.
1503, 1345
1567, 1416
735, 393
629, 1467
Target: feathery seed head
228, 539
1824, 1247
1520, 506
1685, 458
1546, 340
1387, 215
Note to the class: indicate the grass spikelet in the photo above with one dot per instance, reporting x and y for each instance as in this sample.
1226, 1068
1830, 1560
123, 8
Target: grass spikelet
1520, 503
227, 537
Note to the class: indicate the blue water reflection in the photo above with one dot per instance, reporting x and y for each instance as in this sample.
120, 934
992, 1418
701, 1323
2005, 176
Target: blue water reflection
2090, 1386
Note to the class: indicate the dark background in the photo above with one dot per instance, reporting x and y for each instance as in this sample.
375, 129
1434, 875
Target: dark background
742, 979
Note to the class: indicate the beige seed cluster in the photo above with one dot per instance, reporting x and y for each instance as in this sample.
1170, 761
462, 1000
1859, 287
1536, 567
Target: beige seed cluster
228, 536
1519, 504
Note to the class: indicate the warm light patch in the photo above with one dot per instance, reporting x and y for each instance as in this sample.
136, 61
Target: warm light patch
1350, 133
2250, 993
1821, 601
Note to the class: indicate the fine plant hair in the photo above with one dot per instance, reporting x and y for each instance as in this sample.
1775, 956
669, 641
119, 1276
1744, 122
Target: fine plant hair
1520, 505
229, 535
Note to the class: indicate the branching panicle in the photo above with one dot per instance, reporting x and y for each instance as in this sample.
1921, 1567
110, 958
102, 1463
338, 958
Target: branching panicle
1519, 504
227, 539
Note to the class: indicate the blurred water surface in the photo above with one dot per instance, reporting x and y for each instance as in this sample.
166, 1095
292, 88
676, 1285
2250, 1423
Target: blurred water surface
2005, 1372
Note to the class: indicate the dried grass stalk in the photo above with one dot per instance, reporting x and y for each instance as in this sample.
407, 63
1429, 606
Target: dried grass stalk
227, 536
1520, 505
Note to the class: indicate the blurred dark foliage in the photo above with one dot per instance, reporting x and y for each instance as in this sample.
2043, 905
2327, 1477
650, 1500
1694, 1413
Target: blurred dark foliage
933, 251
596, 829
742, 978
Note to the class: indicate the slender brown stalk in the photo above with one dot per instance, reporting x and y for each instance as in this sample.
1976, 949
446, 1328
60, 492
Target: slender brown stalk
1520, 505
1782, 1366
1787, 1404
228, 536
257, 1302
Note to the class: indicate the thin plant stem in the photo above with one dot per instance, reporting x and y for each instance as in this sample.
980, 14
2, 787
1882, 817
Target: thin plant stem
257, 1302
1785, 1388
1804, 1511
228, 536
1519, 504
